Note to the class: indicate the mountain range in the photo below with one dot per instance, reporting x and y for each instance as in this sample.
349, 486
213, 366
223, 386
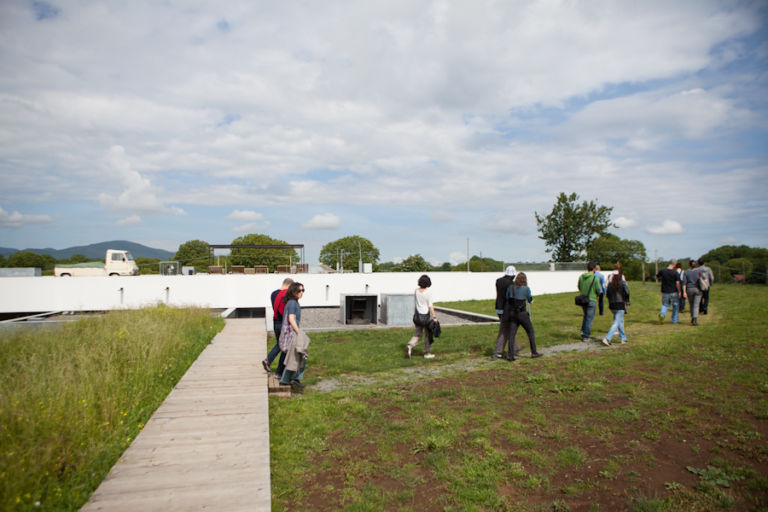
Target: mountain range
98, 250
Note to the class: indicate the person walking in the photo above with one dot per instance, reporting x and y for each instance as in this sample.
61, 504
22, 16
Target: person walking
679, 270
518, 297
423, 315
590, 287
670, 291
705, 271
502, 338
691, 291
291, 325
278, 307
601, 278
617, 294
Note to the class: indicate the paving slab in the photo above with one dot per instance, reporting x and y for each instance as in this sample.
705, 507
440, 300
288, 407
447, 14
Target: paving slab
207, 446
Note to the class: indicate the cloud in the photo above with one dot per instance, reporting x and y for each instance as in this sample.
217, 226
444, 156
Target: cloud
504, 224
668, 227
323, 221
19, 220
45, 11
457, 257
624, 222
133, 220
441, 217
138, 194
245, 215
251, 227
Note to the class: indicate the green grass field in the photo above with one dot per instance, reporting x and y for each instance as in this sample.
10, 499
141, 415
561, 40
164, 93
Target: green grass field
675, 420
73, 397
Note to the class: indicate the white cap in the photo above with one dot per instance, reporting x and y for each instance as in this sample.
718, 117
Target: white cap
510, 271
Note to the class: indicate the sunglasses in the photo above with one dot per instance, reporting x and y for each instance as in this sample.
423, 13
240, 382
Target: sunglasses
301, 291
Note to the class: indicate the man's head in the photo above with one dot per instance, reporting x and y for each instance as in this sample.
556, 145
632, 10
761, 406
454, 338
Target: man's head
672, 263
510, 271
701, 262
597, 267
286, 283
591, 266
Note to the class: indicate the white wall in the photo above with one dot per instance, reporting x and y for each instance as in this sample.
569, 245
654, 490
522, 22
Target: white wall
33, 294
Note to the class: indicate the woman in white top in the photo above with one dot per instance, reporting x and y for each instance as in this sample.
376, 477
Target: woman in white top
424, 314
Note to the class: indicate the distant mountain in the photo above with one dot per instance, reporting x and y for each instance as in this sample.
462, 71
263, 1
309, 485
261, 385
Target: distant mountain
99, 250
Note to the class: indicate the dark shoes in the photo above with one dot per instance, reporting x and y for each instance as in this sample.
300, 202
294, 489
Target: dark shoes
694, 322
536, 354
266, 365
297, 386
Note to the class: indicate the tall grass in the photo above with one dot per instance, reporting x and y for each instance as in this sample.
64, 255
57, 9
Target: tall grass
74, 396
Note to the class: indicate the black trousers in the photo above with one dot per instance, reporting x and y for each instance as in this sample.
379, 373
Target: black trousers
704, 302
516, 320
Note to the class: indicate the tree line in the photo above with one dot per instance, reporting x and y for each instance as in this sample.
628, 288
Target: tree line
573, 231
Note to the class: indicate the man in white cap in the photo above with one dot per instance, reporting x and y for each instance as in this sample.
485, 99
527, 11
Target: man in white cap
502, 338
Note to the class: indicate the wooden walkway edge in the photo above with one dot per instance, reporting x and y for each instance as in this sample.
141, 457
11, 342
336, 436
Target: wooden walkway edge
207, 446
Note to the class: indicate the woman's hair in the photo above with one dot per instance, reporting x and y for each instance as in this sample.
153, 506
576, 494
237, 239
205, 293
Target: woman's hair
521, 280
615, 283
293, 292
425, 281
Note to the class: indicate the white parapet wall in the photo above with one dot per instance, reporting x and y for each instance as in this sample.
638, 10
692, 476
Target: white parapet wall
37, 294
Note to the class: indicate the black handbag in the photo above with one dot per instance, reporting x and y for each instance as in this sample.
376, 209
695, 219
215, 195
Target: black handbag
583, 300
421, 319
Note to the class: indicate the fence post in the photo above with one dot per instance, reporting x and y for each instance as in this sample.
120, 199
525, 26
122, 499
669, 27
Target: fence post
743, 273
643, 269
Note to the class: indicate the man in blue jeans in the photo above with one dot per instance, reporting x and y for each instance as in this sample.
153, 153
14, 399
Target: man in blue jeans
277, 323
670, 291
589, 286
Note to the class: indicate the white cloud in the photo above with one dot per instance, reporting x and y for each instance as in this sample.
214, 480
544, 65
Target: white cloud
133, 220
323, 221
457, 257
251, 227
624, 222
18, 220
668, 227
505, 224
246, 215
441, 217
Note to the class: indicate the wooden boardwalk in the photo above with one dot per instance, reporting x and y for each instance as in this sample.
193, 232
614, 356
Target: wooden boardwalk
207, 446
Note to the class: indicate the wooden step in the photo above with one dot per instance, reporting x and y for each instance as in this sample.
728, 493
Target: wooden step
277, 389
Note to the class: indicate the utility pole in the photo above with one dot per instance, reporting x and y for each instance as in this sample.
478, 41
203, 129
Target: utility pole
467, 254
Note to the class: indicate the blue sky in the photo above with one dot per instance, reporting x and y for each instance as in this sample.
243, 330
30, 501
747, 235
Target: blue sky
417, 125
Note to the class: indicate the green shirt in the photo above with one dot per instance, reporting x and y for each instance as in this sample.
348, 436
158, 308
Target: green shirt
585, 288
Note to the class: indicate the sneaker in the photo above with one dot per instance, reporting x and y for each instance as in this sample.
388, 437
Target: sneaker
429, 356
267, 367
297, 386
408, 351
536, 354
661, 319
585, 340
494, 356
606, 342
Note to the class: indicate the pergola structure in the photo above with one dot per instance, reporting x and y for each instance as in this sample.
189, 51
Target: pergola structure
248, 246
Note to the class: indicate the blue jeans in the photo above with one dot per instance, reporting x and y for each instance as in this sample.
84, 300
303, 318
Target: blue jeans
586, 322
667, 300
617, 325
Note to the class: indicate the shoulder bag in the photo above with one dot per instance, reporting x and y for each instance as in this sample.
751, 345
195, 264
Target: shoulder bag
583, 300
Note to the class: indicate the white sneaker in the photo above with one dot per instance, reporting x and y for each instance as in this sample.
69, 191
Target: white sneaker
429, 356
409, 351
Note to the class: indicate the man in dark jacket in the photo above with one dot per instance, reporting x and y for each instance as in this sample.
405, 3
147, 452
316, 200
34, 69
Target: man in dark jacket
502, 338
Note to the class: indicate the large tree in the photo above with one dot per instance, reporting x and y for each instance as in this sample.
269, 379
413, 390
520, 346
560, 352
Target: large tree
195, 253
414, 263
570, 227
24, 259
609, 248
269, 257
355, 248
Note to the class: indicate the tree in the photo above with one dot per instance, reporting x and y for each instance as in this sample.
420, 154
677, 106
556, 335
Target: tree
269, 257
414, 263
24, 259
570, 228
608, 248
354, 247
194, 252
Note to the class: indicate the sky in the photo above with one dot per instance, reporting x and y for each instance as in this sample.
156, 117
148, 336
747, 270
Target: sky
428, 127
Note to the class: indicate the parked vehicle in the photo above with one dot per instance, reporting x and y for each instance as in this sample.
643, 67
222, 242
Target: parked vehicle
116, 263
